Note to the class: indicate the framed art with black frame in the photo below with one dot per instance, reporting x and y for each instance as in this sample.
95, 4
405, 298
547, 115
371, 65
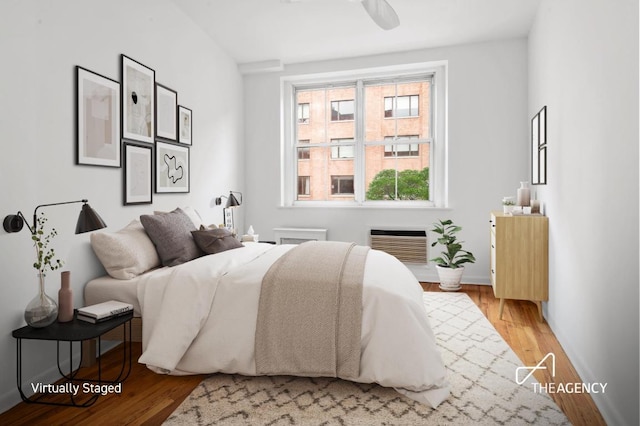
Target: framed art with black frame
185, 124
539, 147
172, 168
137, 173
166, 112
138, 101
97, 119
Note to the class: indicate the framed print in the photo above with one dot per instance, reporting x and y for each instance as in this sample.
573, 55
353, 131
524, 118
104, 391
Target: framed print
138, 165
172, 168
97, 119
539, 148
138, 101
166, 106
184, 124
228, 219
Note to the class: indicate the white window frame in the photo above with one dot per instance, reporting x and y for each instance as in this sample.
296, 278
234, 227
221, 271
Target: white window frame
438, 169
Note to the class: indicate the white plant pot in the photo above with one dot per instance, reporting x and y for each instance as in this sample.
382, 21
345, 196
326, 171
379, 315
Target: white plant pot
450, 278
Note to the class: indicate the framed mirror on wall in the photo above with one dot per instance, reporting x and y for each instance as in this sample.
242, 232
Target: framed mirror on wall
539, 147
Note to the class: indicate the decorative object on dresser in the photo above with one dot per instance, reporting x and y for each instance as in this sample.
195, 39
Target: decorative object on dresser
65, 298
524, 194
42, 310
519, 258
450, 265
507, 204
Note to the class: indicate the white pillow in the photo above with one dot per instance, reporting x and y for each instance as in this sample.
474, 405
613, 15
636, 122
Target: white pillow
127, 253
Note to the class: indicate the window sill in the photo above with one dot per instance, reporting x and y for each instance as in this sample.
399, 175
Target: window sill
366, 206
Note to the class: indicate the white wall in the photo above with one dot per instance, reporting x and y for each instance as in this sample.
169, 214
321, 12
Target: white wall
40, 43
488, 146
584, 67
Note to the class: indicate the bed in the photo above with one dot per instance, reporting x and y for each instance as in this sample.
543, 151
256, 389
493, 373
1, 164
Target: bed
203, 316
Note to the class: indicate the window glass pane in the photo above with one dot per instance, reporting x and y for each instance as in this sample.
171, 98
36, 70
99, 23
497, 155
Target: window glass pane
342, 110
303, 186
400, 177
341, 185
322, 168
303, 113
342, 151
303, 153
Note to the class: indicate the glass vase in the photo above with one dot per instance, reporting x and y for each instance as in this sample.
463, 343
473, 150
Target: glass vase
42, 310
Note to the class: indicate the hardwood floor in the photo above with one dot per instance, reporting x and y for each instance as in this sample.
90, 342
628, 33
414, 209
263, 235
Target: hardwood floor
148, 398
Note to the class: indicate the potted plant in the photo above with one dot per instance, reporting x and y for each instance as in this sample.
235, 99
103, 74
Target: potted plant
507, 204
450, 263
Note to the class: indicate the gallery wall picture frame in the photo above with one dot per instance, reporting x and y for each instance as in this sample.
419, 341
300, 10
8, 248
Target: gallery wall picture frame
185, 125
166, 113
138, 100
97, 119
228, 219
172, 168
137, 174
539, 147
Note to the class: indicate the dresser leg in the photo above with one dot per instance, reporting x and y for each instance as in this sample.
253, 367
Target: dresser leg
539, 305
501, 308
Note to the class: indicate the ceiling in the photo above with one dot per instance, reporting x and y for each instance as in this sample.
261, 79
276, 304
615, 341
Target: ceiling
264, 30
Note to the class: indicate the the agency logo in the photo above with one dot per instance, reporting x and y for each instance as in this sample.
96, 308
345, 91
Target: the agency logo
552, 387
539, 366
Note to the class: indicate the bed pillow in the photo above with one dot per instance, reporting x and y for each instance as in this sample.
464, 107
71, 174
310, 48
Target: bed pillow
217, 240
127, 253
189, 211
171, 234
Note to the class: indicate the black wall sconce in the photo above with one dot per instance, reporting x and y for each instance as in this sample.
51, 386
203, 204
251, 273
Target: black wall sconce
88, 220
232, 200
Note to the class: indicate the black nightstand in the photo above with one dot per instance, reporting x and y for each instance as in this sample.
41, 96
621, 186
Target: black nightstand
75, 331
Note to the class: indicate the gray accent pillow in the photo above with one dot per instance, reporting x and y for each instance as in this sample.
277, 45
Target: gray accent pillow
217, 240
171, 234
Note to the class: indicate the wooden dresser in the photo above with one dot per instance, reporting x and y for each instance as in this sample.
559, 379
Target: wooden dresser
520, 258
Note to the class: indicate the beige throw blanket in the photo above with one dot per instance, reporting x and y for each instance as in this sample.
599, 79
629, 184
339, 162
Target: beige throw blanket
310, 312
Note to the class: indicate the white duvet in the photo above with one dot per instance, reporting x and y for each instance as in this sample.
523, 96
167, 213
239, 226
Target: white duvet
200, 318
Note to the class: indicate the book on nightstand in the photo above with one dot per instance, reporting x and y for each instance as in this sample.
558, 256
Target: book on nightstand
104, 311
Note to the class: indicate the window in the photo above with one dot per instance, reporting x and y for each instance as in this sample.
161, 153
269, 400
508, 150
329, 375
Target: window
303, 113
342, 185
344, 148
401, 149
341, 110
373, 141
303, 185
303, 152
401, 106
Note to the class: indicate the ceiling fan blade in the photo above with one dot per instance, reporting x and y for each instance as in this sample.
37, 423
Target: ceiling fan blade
382, 13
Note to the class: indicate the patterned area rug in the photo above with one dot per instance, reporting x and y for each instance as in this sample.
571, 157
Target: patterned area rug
481, 373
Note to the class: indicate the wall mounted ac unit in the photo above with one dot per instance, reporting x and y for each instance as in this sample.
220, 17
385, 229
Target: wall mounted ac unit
408, 245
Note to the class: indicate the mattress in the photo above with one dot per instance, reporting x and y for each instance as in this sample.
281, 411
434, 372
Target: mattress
106, 288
